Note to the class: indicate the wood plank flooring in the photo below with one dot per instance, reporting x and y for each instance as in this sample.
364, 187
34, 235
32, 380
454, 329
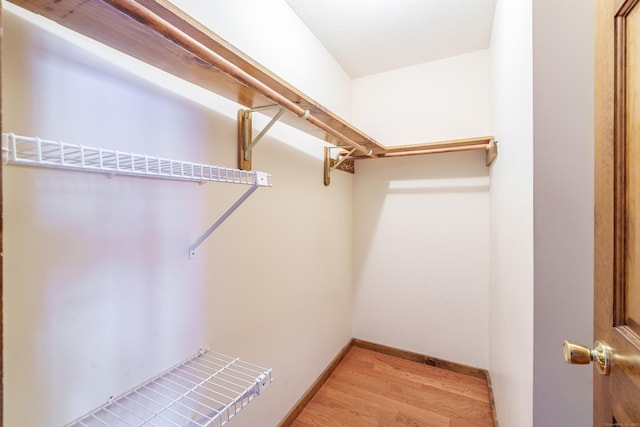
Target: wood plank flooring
369, 388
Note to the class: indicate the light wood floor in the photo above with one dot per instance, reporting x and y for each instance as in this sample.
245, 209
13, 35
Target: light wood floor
369, 388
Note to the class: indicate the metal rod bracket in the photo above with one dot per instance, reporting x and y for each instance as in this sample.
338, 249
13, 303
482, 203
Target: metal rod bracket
246, 142
344, 162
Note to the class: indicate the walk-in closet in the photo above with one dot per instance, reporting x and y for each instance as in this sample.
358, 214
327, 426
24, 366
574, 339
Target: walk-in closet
203, 213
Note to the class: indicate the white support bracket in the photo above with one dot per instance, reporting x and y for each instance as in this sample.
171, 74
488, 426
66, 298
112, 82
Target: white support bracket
339, 163
262, 180
246, 142
26, 151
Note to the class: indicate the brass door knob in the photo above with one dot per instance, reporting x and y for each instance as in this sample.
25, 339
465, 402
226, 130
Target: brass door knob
578, 354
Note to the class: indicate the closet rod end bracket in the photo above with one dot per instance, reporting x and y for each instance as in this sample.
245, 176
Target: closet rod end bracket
492, 152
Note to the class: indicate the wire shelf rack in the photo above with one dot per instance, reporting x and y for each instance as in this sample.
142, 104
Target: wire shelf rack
207, 389
22, 150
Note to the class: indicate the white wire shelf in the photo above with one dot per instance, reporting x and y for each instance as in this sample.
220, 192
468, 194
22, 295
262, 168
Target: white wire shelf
29, 151
207, 389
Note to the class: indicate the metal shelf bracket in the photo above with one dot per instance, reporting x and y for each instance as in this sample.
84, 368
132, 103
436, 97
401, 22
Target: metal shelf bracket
340, 163
26, 151
246, 142
262, 180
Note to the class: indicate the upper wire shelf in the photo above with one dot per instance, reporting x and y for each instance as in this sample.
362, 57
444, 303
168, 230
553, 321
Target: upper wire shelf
206, 390
29, 151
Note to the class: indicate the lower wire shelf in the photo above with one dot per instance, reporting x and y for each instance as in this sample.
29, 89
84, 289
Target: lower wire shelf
207, 389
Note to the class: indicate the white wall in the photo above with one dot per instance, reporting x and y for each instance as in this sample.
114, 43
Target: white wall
422, 254
543, 116
435, 101
563, 64
99, 293
511, 266
272, 34
421, 224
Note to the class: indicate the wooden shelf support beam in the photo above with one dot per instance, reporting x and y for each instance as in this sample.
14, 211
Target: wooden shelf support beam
488, 143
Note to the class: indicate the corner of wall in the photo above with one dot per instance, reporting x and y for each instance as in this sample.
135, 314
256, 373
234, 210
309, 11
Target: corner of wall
511, 204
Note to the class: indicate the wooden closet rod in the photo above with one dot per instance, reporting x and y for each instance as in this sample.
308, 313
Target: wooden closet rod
434, 150
178, 37
451, 146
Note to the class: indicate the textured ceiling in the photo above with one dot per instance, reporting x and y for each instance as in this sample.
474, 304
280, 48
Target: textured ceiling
372, 36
